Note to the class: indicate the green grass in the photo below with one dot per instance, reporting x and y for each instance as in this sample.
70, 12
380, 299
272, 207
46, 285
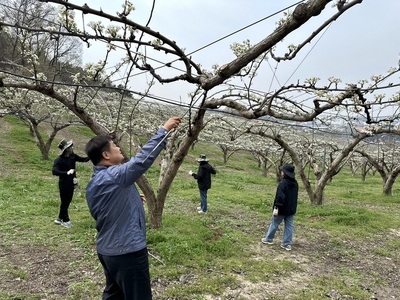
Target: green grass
193, 256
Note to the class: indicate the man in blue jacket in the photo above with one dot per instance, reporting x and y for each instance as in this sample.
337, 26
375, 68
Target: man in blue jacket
116, 205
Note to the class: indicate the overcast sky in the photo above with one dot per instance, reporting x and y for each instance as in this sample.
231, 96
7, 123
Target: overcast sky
365, 41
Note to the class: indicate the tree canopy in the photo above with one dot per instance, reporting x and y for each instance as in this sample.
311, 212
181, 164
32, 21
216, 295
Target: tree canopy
225, 88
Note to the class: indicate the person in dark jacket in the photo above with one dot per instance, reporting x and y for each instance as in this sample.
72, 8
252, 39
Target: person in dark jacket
116, 205
65, 168
203, 178
284, 208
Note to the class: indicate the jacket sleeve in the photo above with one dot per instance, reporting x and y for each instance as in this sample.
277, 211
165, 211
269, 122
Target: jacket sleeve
204, 168
56, 168
130, 171
212, 170
280, 194
200, 173
81, 159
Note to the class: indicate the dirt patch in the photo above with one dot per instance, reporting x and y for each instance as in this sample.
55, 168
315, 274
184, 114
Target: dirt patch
40, 271
316, 258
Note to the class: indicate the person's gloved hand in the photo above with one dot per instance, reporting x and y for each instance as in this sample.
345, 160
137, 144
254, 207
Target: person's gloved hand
275, 212
190, 172
70, 172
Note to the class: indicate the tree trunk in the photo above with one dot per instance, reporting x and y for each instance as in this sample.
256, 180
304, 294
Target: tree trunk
390, 180
155, 217
387, 187
318, 196
364, 171
224, 153
169, 168
264, 167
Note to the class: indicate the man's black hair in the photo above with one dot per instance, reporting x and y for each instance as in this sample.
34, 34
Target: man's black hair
96, 146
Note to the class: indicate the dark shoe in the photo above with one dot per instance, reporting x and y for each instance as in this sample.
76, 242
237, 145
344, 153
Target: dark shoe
264, 241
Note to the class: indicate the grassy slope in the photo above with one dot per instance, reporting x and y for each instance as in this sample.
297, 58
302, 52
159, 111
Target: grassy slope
348, 246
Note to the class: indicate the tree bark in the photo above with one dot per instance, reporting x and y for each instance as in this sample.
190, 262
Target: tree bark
170, 168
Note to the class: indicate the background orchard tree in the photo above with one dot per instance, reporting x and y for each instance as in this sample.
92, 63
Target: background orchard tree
294, 147
141, 43
36, 110
359, 163
339, 156
384, 157
225, 132
229, 132
268, 154
58, 55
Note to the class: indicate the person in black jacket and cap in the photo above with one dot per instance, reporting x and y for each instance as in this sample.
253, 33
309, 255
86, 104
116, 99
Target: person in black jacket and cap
284, 208
65, 168
203, 178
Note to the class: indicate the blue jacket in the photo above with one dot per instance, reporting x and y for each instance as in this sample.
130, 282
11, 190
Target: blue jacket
115, 203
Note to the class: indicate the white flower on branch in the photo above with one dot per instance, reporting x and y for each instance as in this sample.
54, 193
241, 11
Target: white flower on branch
111, 47
76, 78
392, 70
292, 48
312, 81
128, 7
41, 76
156, 43
321, 93
334, 80
98, 27
50, 28
379, 97
283, 21
240, 48
362, 82
113, 30
67, 19
396, 97
31, 58
93, 70
377, 78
